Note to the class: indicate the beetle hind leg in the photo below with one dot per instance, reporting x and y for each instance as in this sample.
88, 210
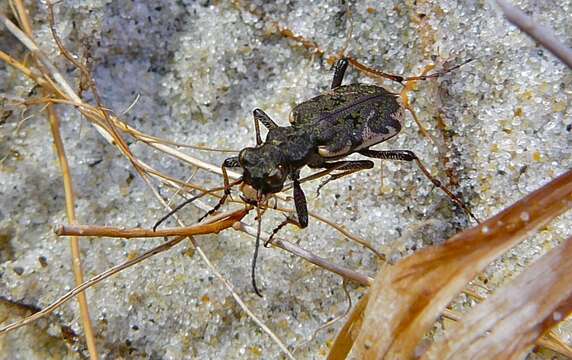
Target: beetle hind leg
406, 155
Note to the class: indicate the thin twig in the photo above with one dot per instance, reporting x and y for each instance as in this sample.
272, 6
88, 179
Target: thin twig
539, 33
104, 231
346, 273
74, 241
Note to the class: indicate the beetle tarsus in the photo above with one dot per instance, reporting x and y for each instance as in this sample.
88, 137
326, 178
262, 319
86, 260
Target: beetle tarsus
300, 203
286, 221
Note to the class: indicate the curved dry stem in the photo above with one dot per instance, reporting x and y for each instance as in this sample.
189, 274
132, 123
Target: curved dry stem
106, 231
74, 241
69, 194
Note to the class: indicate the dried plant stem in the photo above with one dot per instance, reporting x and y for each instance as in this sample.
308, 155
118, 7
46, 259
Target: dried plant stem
537, 32
69, 197
22, 68
74, 241
22, 15
64, 90
103, 231
215, 227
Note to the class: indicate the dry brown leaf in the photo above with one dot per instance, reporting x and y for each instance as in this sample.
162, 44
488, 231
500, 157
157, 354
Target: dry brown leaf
508, 323
349, 331
406, 299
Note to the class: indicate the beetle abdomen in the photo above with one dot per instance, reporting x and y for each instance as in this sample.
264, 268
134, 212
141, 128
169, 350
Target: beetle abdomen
350, 118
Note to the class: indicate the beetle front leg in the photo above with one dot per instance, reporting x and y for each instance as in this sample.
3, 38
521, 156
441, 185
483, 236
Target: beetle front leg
230, 162
301, 209
406, 155
348, 168
300, 204
339, 72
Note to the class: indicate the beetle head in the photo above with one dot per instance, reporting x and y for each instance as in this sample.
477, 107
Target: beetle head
263, 168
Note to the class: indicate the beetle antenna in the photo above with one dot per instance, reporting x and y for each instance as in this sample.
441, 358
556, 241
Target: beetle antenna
190, 200
256, 246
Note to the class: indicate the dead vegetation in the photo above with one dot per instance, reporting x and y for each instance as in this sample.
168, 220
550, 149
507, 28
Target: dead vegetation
404, 300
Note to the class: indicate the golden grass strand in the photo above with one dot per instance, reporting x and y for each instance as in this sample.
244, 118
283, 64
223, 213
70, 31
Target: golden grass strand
74, 241
69, 198
22, 68
104, 231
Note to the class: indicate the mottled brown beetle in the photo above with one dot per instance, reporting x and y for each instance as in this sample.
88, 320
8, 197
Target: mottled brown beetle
323, 130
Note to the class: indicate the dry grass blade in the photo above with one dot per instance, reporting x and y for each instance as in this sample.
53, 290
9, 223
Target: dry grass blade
25, 23
509, 323
406, 299
213, 227
74, 241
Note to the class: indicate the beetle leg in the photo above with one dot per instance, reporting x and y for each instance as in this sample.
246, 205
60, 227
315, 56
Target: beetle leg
261, 116
437, 74
348, 168
406, 155
333, 166
229, 162
339, 72
300, 201
301, 209
286, 221
407, 88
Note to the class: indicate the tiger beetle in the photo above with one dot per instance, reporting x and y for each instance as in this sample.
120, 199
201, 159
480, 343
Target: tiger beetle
323, 130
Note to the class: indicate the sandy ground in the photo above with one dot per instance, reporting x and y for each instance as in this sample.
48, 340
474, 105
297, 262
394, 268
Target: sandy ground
502, 126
